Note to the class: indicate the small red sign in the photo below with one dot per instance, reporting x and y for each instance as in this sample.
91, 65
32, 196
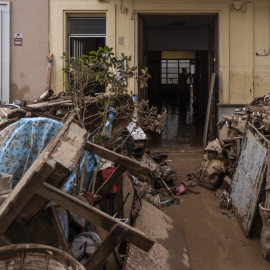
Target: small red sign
17, 41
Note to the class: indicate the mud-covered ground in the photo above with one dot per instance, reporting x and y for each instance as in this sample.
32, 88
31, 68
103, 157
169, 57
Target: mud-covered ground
214, 241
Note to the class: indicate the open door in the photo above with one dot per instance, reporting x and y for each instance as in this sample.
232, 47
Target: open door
213, 68
143, 53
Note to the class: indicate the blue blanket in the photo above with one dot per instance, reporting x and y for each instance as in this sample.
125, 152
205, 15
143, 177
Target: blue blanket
28, 139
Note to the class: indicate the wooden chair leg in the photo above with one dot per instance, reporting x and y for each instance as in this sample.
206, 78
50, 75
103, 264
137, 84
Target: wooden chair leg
105, 249
23, 192
97, 217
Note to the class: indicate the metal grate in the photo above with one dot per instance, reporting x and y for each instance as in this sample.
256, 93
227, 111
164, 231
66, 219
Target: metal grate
87, 26
170, 70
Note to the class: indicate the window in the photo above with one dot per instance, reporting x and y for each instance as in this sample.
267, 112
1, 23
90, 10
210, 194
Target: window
85, 35
170, 69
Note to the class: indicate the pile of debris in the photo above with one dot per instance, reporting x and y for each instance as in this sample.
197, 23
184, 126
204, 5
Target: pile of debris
237, 166
220, 156
83, 196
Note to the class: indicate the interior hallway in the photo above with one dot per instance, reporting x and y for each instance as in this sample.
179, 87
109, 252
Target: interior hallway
182, 126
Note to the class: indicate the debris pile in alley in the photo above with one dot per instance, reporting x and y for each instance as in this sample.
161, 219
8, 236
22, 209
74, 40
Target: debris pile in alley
220, 155
80, 156
237, 166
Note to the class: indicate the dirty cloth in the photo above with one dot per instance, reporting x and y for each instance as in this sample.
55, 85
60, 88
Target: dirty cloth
84, 245
28, 139
25, 144
106, 173
90, 162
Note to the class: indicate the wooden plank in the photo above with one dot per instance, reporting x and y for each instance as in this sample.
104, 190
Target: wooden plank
94, 215
111, 181
69, 149
210, 97
40, 114
47, 104
105, 249
58, 229
23, 192
137, 169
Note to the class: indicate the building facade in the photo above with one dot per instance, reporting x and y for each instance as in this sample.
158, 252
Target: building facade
24, 46
230, 38
135, 27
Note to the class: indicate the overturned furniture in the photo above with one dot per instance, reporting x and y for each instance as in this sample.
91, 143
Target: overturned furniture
41, 184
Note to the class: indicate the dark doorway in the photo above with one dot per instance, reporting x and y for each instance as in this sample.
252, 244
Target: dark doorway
167, 45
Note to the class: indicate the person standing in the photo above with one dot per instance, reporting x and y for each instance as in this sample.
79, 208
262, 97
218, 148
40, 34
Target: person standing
182, 82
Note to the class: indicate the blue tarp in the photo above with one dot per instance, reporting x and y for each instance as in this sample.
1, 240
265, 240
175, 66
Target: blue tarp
28, 139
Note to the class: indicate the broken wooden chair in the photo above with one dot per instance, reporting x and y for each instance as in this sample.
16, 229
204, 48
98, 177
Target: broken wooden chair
48, 173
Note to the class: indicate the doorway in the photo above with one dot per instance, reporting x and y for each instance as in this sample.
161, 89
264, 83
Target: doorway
168, 45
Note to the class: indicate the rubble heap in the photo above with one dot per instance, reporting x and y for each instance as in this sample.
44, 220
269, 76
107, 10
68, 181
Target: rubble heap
220, 156
86, 169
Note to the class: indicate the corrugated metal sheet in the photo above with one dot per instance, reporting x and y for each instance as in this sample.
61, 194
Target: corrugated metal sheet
248, 177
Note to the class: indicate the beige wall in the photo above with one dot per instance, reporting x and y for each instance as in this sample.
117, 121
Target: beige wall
242, 74
28, 62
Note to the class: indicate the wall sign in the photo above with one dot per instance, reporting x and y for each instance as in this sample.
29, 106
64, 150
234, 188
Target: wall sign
18, 39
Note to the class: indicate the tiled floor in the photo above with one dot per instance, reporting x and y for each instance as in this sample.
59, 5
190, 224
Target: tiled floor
182, 128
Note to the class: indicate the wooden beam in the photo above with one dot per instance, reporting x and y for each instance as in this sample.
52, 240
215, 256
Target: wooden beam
105, 249
23, 192
58, 229
210, 97
94, 215
137, 169
111, 181
47, 104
